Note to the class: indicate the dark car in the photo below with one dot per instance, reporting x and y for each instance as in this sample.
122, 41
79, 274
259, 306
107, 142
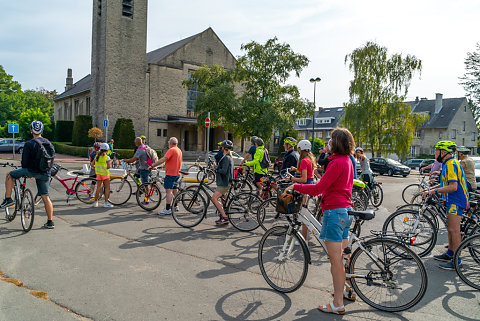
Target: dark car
413, 163
6, 145
388, 166
424, 163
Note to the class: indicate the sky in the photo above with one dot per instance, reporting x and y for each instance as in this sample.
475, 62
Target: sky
41, 39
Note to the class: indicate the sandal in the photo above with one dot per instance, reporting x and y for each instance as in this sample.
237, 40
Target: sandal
335, 310
348, 295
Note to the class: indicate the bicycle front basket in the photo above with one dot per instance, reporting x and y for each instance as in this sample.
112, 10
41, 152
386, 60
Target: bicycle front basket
288, 203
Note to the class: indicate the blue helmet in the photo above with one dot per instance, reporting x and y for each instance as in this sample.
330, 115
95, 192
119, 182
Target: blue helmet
36, 127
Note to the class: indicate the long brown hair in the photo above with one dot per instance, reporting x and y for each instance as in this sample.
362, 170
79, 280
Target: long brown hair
342, 142
307, 153
100, 153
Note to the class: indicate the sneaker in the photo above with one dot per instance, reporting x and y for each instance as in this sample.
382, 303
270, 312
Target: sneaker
165, 212
222, 220
107, 204
443, 258
49, 225
95, 204
448, 266
177, 209
7, 202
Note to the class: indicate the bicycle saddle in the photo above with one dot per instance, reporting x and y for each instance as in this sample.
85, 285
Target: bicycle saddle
363, 215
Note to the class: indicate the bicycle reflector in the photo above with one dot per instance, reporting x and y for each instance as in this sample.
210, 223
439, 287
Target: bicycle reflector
405, 219
379, 183
413, 239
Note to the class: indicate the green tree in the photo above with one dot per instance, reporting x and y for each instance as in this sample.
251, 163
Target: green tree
263, 102
28, 116
376, 114
471, 81
7, 84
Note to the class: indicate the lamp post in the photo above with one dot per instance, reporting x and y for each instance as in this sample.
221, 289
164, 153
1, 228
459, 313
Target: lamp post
314, 80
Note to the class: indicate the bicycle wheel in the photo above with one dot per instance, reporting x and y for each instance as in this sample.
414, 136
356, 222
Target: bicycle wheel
410, 191
429, 212
210, 176
27, 210
469, 270
148, 196
267, 215
359, 199
242, 211
193, 168
120, 191
189, 208
243, 186
395, 281
11, 212
283, 259
377, 195
85, 190
421, 232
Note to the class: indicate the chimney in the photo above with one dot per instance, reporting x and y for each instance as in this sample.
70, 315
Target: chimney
416, 100
69, 82
438, 103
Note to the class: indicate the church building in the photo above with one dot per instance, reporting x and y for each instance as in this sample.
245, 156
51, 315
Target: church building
128, 82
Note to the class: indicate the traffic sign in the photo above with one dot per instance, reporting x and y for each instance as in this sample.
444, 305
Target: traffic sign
13, 128
105, 123
207, 122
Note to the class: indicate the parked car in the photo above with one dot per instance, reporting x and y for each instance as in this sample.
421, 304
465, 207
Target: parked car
476, 159
413, 163
388, 166
424, 163
6, 145
237, 159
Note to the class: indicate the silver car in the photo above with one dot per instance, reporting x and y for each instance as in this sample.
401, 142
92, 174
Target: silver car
237, 159
6, 145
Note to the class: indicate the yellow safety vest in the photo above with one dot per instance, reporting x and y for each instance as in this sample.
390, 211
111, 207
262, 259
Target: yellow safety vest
101, 165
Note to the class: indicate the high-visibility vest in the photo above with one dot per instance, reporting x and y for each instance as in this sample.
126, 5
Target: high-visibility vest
101, 165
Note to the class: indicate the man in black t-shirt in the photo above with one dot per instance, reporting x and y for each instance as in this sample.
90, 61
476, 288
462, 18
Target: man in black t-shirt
290, 159
30, 168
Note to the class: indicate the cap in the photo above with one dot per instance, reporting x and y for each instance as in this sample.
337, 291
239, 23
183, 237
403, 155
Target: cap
462, 149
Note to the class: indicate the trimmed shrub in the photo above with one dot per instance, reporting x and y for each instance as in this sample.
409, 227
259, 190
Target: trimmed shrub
124, 134
62, 148
63, 130
80, 131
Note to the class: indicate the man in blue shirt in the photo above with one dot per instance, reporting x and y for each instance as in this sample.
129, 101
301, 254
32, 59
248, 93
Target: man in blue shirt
251, 151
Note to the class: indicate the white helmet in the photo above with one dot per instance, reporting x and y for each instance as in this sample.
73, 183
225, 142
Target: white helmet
104, 146
304, 145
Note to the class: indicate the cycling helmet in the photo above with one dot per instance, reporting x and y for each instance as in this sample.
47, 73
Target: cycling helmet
97, 145
253, 140
290, 141
227, 144
104, 146
359, 148
219, 143
446, 145
36, 127
304, 145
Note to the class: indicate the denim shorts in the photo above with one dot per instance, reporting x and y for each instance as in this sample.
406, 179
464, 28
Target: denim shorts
257, 177
144, 174
336, 224
169, 181
42, 180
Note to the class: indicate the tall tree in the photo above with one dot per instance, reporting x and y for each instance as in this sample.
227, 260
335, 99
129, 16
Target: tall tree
253, 98
471, 81
376, 114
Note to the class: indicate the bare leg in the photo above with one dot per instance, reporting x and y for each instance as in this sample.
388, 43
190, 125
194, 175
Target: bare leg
169, 197
9, 182
107, 189
337, 269
99, 188
218, 205
454, 237
48, 206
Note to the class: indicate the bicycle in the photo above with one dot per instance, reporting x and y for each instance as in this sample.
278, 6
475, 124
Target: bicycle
203, 171
375, 193
469, 270
245, 179
411, 193
24, 203
189, 207
381, 270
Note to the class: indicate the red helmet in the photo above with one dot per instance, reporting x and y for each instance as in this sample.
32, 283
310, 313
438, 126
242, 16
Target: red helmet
96, 145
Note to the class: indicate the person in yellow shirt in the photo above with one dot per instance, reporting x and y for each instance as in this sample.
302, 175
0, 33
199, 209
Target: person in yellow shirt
102, 163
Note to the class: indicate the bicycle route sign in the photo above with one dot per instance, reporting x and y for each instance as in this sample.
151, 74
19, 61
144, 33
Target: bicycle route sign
13, 128
105, 123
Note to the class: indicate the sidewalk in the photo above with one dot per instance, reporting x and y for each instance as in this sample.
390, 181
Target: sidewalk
58, 158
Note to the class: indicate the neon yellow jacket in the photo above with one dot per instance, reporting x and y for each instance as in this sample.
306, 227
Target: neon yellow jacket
256, 161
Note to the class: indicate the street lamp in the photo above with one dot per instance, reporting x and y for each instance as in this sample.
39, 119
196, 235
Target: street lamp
314, 80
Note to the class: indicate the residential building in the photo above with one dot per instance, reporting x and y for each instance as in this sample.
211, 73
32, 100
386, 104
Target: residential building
326, 120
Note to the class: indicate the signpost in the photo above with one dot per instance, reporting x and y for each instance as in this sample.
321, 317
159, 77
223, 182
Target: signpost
105, 125
13, 129
207, 124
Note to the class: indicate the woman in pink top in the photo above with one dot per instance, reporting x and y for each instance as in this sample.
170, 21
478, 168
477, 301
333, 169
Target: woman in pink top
336, 189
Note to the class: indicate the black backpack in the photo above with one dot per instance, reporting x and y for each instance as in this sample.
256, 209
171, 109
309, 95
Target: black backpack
44, 159
265, 163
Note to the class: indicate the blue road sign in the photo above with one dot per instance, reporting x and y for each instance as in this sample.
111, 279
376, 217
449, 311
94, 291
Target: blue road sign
13, 128
105, 123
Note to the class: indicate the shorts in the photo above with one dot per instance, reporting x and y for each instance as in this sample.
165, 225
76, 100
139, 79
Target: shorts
454, 209
169, 182
222, 189
42, 180
336, 224
258, 177
309, 181
103, 177
144, 175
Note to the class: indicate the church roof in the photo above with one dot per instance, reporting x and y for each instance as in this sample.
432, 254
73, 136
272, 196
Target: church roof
160, 53
441, 119
79, 87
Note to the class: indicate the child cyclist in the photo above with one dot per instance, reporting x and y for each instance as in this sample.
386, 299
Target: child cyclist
102, 163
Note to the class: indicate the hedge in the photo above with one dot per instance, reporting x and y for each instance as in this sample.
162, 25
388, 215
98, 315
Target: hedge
63, 130
81, 151
123, 133
80, 131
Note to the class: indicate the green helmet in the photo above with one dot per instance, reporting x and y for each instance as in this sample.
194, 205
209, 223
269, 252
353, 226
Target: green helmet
219, 143
447, 145
290, 141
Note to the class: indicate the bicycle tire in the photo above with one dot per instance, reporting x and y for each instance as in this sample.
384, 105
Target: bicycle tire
398, 263
189, 208
469, 270
409, 191
267, 215
210, 176
242, 211
377, 195
193, 168
148, 196
243, 186
429, 212
422, 240
120, 191
27, 210
269, 250
85, 193
359, 199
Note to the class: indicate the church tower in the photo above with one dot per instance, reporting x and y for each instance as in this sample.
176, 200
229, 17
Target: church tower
119, 44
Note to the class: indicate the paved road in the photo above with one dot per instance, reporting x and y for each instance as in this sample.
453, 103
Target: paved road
128, 264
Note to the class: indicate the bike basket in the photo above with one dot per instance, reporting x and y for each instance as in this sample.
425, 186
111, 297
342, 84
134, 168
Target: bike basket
288, 203
154, 173
55, 169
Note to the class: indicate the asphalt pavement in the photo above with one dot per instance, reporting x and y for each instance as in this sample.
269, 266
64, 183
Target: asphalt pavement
124, 263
